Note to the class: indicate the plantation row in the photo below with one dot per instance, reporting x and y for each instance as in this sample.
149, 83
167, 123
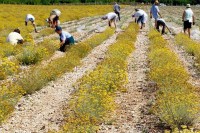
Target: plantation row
29, 83
93, 101
190, 46
31, 53
177, 101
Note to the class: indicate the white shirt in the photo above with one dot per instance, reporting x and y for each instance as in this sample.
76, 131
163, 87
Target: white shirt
13, 38
111, 16
29, 17
64, 35
188, 15
160, 19
140, 13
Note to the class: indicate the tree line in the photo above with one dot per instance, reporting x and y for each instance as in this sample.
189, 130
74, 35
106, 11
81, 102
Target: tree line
48, 2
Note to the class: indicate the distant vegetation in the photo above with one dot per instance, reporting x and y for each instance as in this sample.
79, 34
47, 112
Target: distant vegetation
48, 2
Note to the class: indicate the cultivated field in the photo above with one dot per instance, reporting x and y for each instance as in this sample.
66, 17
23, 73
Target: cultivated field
111, 81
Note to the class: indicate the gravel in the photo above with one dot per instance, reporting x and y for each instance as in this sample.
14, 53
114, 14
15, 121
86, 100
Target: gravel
132, 114
43, 110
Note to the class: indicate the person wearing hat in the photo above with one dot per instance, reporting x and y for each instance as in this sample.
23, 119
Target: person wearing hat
30, 17
155, 12
140, 17
188, 19
53, 19
116, 9
65, 38
15, 38
112, 18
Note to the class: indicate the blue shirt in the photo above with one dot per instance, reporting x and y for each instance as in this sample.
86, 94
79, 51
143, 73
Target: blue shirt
154, 11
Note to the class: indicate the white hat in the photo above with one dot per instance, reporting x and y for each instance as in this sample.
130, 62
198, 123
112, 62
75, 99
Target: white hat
188, 6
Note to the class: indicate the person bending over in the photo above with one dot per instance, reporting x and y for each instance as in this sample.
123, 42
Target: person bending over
112, 18
31, 18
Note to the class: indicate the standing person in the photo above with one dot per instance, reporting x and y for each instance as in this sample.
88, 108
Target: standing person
15, 38
188, 19
30, 17
155, 12
161, 22
140, 17
112, 18
53, 19
116, 9
66, 39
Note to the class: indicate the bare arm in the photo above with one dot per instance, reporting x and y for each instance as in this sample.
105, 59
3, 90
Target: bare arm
183, 16
150, 14
159, 14
61, 43
193, 18
168, 29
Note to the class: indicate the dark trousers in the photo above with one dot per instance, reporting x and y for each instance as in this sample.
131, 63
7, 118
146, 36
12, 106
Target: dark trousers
68, 42
118, 15
161, 23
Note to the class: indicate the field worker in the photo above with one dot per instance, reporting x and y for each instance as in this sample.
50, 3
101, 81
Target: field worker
31, 18
15, 37
116, 9
155, 12
112, 18
140, 17
53, 20
66, 39
161, 22
188, 19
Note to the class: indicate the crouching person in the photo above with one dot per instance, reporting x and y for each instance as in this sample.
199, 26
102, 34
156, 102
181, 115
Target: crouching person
66, 39
15, 38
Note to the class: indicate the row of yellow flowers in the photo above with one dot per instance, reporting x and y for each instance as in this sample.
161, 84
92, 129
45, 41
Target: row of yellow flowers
192, 47
177, 102
93, 100
40, 75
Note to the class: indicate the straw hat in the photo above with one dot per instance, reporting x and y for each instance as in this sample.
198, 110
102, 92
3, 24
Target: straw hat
188, 6
156, 2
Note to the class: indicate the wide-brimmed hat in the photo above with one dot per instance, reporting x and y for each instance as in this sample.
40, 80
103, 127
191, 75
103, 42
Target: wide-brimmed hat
188, 6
